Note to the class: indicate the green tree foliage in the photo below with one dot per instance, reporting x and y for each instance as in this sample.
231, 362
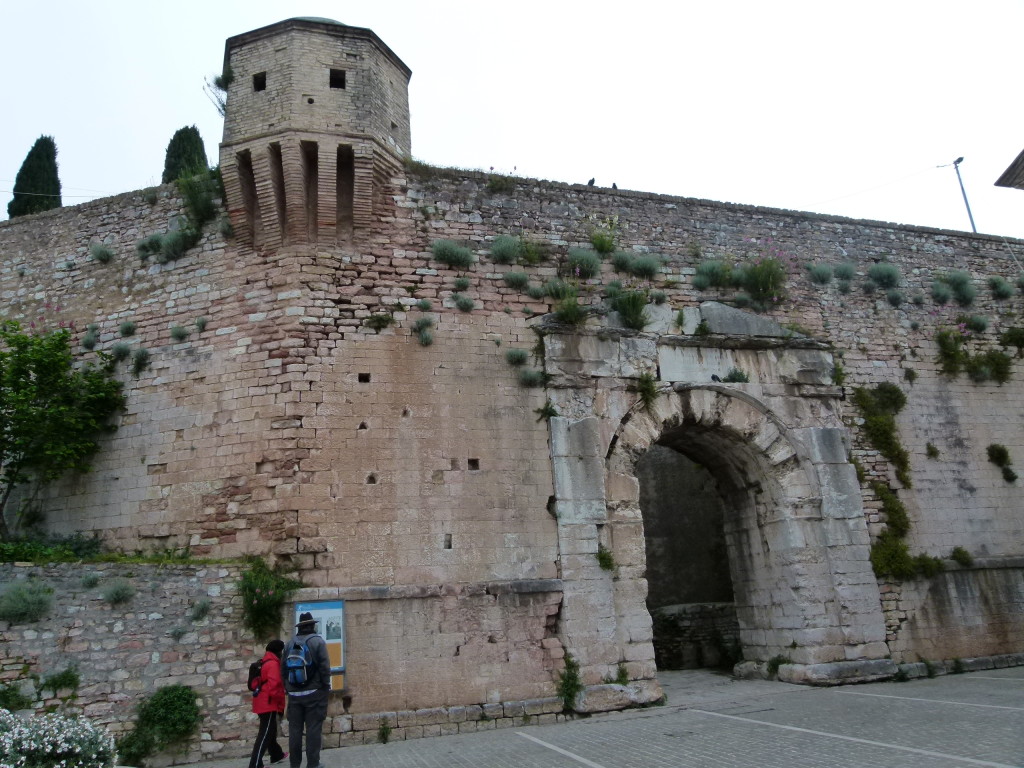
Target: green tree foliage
186, 154
52, 413
264, 593
37, 186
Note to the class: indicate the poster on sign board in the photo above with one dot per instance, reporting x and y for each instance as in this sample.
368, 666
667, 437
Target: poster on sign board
330, 625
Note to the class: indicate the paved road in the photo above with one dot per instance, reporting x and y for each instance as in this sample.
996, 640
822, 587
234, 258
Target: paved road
712, 721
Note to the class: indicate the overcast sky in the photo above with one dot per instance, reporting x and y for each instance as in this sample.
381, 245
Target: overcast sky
841, 108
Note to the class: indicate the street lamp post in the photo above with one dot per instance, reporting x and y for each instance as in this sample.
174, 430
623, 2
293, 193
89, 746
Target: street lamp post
956, 167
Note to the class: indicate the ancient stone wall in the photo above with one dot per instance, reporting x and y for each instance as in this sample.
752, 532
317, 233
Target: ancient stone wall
290, 427
182, 625
959, 498
962, 613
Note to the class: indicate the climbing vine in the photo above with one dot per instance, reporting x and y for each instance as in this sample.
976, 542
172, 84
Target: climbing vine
890, 555
954, 357
879, 407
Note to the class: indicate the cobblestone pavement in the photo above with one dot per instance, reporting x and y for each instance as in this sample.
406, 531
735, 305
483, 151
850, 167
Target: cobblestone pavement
974, 719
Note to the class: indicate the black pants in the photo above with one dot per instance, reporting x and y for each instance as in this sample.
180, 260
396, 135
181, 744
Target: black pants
266, 740
306, 713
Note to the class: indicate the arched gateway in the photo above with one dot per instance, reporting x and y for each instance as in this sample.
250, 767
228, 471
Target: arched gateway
773, 452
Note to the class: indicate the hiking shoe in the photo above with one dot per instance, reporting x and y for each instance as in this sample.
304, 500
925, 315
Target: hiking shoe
280, 759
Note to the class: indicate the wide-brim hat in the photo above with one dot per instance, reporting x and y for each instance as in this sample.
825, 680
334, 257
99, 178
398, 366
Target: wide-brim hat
305, 618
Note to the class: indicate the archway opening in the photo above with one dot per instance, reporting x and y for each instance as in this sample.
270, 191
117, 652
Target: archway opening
689, 585
704, 491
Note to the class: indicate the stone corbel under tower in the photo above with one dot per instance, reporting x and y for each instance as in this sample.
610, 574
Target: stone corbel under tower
316, 119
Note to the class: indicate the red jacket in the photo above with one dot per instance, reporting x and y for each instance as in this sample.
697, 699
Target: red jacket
271, 697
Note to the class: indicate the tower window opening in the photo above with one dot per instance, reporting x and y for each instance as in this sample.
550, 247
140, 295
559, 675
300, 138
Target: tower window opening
250, 202
337, 78
259, 81
277, 180
345, 192
311, 185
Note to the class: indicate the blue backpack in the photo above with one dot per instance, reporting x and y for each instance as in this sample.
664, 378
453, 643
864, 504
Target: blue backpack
298, 663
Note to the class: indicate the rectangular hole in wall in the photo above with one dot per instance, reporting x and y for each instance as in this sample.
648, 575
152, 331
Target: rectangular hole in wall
455, 464
250, 203
474, 464
345, 191
310, 185
447, 541
337, 78
277, 179
364, 378
259, 81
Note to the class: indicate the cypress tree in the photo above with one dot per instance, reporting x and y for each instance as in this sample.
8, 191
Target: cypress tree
185, 154
37, 186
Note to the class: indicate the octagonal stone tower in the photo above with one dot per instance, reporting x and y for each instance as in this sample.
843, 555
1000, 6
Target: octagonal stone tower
317, 116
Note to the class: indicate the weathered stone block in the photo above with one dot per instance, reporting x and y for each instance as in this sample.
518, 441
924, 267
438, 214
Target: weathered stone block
575, 438
574, 354
805, 366
695, 365
824, 445
578, 478
838, 672
661, 318
724, 319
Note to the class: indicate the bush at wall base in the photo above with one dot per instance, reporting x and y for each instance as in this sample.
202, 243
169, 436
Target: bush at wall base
166, 719
54, 740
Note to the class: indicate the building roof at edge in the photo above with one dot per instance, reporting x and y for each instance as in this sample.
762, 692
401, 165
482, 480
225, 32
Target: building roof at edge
1014, 175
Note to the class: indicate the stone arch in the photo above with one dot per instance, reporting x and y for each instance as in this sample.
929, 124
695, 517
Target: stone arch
795, 531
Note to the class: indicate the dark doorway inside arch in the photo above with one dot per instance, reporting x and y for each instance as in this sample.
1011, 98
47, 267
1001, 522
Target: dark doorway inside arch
690, 590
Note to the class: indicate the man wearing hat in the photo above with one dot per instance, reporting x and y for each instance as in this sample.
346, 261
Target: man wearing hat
307, 704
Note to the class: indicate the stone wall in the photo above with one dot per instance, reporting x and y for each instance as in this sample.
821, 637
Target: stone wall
964, 613
290, 428
182, 625
958, 499
124, 652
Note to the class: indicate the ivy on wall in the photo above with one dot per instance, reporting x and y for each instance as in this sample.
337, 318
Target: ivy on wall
890, 555
879, 407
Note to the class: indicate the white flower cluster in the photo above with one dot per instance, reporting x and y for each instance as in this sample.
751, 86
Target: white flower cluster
53, 741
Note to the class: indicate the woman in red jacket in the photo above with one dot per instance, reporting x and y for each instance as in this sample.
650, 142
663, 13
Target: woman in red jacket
268, 702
